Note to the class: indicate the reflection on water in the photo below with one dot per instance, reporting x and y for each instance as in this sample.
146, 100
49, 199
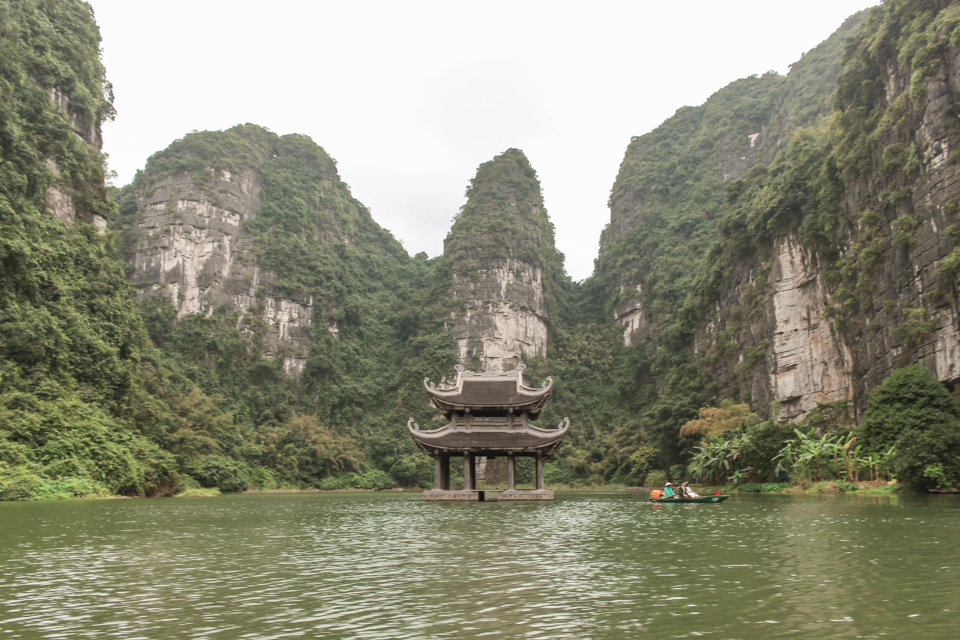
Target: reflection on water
391, 566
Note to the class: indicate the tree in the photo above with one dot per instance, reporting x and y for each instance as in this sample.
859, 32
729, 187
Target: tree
714, 421
912, 411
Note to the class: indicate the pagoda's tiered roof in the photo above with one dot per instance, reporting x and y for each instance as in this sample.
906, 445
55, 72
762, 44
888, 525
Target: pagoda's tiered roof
490, 442
489, 393
489, 414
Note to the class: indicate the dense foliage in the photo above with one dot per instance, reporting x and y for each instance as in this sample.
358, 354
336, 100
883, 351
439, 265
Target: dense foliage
913, 413
70, 339
102, 395
346, 413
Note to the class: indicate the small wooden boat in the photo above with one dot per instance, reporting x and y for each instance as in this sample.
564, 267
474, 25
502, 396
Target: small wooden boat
943, 491
700, 499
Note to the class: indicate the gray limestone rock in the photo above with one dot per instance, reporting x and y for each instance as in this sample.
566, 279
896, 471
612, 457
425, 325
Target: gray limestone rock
498, 249
191, 249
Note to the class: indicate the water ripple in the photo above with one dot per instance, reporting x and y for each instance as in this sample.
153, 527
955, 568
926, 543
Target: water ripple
392, 566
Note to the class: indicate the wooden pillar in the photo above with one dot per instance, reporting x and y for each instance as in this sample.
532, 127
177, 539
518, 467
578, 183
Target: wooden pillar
438, 472
467, 468
511, 472
473, 471
539, 471
445, 472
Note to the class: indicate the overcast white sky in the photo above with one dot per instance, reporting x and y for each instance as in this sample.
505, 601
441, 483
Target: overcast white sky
410, 97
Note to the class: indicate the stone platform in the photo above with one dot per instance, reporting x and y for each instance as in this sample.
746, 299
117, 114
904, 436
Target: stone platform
435, 495
533, 494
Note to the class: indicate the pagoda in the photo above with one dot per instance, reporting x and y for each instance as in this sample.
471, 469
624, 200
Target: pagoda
490, 415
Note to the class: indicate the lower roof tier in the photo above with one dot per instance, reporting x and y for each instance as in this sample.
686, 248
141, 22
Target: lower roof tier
490, 442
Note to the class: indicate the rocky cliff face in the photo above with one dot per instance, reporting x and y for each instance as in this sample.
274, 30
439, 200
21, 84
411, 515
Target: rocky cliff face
669, 193
807, 316
504, 317
193, 237
60, 198
913, 317
501, 254
192, 249
770, 337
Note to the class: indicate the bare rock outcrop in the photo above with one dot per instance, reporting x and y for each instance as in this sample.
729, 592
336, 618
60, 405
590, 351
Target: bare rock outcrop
501, 256
504, 315
808, 363
60, 195
191, 249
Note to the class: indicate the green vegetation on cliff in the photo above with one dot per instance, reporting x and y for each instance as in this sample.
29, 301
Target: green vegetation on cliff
505, 218
696, 231
670, 202
346, 413
102, 395
70, 338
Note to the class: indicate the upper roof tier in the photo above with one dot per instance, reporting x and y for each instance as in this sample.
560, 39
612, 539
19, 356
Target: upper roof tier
489, 393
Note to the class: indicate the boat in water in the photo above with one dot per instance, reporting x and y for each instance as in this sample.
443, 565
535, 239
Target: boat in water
720, 498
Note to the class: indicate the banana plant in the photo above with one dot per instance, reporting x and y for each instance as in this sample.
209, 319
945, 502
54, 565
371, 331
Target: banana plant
807, 457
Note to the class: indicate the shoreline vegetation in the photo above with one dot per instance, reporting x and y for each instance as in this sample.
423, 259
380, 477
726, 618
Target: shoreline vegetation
831, 487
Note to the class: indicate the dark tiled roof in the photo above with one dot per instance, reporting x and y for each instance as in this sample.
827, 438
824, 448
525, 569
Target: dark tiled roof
490, 393
494, 441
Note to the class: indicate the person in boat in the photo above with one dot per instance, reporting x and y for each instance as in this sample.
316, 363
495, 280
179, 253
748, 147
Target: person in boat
688, 492
668, 491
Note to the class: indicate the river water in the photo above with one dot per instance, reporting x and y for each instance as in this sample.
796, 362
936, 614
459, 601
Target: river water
387, 565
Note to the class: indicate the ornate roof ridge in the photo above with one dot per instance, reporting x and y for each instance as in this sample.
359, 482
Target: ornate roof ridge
486, 376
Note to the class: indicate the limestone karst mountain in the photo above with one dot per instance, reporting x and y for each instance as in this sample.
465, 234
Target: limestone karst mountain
209, 212
505, 272
671, 197
785, 245
254, 263
833, 212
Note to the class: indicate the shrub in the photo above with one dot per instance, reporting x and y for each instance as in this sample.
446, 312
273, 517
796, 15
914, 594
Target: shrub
331, 483
913, 412
265, 479
415, 470
20, 483
928, 458
714, 421
557, 473
655, 479
376, 480
908, 400
678, 473
773, 487
642, 461
226, 474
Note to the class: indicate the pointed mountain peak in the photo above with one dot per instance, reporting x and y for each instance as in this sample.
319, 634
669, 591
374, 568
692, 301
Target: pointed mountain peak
504, 216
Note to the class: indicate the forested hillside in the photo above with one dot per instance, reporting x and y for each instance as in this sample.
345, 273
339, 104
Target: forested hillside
796, 276
784, 255
75, 363
360, 335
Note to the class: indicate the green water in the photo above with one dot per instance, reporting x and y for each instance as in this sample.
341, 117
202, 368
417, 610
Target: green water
391, 566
